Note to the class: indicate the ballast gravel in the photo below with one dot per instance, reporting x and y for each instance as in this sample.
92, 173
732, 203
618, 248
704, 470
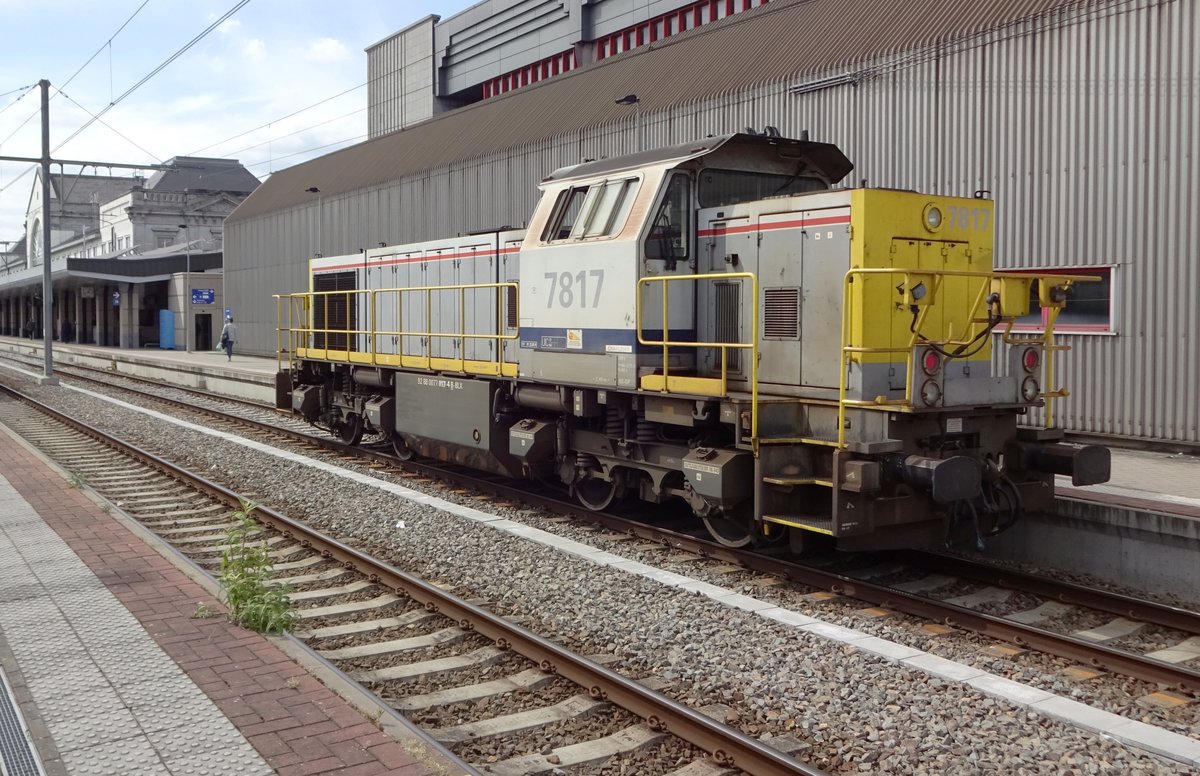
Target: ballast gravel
857, 712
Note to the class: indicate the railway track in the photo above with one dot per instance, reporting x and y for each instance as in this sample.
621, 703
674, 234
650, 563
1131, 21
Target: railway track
438, 659
1030, 612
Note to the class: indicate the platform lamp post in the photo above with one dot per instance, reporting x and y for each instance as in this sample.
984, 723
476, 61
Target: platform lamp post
187, 288
314, 190
632, 99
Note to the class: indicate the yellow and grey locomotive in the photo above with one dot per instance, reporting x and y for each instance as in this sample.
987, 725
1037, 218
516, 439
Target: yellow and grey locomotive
711, 322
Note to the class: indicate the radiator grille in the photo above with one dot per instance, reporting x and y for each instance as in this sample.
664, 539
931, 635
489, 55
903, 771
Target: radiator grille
781, 313
335, 311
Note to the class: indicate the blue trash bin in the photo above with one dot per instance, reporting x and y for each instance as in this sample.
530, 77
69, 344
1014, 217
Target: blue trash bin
166, 330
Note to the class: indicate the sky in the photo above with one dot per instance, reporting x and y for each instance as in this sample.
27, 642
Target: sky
274, 84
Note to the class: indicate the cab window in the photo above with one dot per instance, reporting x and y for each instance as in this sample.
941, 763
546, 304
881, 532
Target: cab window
720, 188
594, 210
669, 231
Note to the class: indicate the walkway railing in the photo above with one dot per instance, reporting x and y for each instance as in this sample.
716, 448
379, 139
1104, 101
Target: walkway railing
340, 337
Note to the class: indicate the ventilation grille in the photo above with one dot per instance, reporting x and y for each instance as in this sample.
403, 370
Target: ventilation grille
510, 302
728, 317
781, 313
334, 311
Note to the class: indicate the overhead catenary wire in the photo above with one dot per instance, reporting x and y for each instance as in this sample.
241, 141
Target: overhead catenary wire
317, 104
289, 134
115, 131
107, 44
157, 70
356, 139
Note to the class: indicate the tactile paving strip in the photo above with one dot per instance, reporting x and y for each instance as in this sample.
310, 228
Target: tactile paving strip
86, 662
16, 752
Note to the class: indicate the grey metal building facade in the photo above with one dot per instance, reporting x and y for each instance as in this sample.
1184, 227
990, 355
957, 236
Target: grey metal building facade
1079, 118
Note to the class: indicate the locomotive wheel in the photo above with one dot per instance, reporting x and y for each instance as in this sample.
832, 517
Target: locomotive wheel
350, 430
401, 449
597, 494
728, 532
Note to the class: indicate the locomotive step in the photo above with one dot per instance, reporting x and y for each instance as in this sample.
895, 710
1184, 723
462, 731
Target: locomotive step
797, 441
797, 481
813, 523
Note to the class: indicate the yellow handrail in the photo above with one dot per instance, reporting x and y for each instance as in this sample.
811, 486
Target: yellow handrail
666, 343
848, 350
302, 336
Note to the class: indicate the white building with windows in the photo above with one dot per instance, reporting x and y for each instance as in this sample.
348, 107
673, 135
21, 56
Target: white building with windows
123, 250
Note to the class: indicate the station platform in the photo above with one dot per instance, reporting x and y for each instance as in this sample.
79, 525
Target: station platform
117, 658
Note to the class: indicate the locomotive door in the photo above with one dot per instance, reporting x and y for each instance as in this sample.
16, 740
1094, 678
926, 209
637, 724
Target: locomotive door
476, 264
782, 243
825, 256
510, 265
727, 244
410, 305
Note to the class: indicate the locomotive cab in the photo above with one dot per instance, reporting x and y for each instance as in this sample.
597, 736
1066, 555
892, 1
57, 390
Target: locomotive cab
602, 227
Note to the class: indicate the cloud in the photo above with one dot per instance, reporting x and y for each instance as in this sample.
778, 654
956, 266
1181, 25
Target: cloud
255, 49
328, 50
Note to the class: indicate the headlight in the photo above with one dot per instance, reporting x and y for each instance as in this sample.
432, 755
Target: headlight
931, 393
933, 217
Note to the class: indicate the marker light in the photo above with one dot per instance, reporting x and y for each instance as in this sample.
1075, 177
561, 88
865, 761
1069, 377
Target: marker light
1031, 359
930, 363
1030, 389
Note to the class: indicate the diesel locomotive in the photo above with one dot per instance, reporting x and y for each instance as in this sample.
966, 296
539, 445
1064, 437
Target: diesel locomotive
712, 322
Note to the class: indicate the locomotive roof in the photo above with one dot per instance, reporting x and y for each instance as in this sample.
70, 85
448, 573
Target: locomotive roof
825, 157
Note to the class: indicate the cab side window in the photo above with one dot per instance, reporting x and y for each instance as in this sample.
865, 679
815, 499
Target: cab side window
566, 212
594, 210
668, 239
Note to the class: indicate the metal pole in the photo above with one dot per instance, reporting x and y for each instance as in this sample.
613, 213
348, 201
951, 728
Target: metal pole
47, 284
187, 289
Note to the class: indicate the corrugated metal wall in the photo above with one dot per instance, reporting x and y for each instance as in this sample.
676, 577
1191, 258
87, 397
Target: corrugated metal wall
1082, 123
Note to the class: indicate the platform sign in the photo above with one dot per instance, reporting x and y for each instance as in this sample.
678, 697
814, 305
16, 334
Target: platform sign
228, 313
116, 298
203, 295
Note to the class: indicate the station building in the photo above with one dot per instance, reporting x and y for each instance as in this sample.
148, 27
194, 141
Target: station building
126, 254
1078, 117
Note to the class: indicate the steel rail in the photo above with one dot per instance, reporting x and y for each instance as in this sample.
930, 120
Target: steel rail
729, 747
1150, 612
994, 626
1026, 636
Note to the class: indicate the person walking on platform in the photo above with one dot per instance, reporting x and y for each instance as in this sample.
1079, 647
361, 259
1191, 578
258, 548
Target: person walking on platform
228, 337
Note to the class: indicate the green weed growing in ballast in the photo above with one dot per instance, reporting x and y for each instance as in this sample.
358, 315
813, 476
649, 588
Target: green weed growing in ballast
245, 569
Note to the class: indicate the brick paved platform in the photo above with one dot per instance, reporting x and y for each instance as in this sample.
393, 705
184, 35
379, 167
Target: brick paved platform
113, 672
